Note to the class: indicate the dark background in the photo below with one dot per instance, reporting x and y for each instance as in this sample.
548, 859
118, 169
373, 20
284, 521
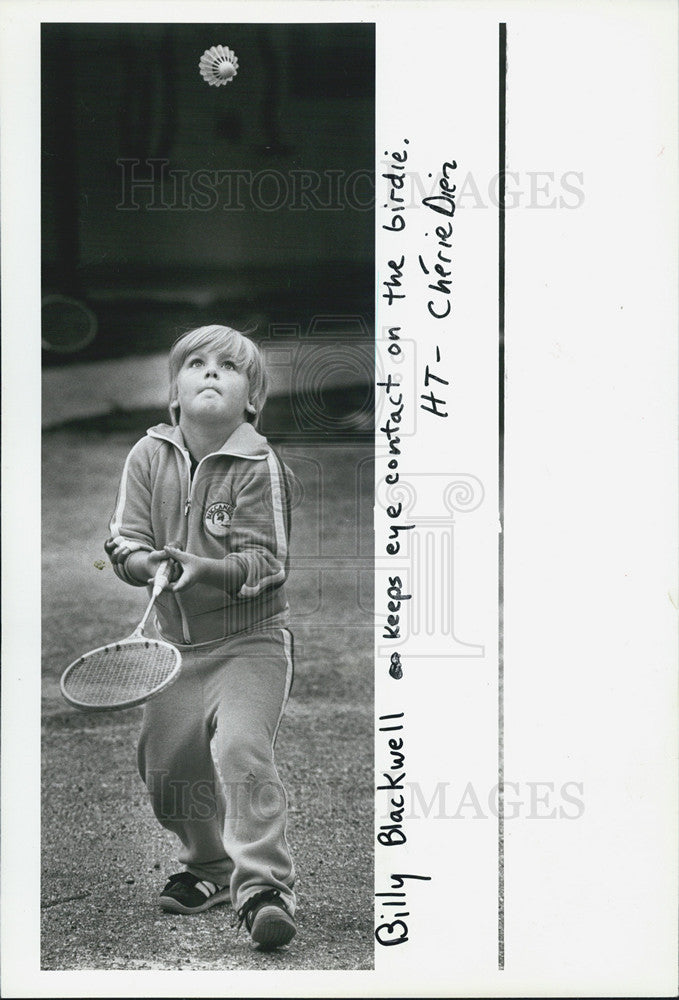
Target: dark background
302, 100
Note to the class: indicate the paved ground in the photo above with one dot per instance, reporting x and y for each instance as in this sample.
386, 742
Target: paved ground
105, 858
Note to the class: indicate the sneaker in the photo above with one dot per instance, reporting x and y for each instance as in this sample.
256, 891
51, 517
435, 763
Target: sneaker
267, 919
185, 893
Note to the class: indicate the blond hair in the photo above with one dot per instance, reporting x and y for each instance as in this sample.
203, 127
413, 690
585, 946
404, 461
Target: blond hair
244, 353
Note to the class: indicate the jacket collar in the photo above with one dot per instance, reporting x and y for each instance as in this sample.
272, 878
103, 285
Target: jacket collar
245, 442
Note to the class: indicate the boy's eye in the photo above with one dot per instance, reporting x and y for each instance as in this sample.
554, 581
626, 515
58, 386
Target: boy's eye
195, 362
228, 364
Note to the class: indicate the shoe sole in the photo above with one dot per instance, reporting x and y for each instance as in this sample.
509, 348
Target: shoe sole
272, 928
171, 905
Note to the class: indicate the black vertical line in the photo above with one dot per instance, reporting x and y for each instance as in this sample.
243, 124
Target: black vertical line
502, 166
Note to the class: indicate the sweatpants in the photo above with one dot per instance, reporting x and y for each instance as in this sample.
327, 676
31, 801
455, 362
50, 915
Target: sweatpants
228, 808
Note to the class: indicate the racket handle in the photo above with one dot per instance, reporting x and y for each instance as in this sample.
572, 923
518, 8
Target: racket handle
160, 582
162, 578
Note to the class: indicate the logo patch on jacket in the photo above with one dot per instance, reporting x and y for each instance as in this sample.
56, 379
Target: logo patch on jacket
218, 518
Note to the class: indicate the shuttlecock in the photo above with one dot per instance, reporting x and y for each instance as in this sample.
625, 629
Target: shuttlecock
218, 65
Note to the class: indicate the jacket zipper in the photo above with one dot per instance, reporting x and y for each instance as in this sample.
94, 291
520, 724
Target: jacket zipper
187, 505
187, 509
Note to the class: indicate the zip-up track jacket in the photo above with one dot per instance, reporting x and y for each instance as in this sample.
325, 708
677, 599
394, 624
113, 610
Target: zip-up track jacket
236, 508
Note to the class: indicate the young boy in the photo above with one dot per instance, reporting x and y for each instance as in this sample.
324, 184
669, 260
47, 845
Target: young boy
209, 493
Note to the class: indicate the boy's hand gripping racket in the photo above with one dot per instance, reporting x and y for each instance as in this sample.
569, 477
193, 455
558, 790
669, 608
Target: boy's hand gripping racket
124, 673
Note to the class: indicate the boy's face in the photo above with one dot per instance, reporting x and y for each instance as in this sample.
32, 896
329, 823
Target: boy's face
211, 390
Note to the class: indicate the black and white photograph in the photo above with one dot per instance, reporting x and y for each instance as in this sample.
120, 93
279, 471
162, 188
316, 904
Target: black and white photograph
339, 498
207, 419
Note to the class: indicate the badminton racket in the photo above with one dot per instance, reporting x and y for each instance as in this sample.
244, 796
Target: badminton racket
127, 672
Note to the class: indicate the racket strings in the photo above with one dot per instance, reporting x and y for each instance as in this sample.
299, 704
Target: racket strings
120, 672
